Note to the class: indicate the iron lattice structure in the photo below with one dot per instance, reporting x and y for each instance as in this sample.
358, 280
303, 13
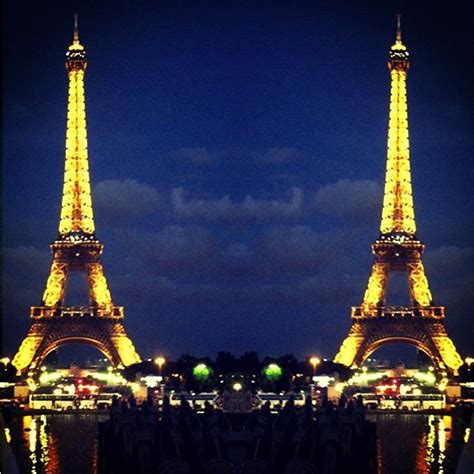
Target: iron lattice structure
76, 249
398, 249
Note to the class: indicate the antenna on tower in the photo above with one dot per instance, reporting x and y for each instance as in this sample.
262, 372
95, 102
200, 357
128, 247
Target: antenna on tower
76, 28
399, 30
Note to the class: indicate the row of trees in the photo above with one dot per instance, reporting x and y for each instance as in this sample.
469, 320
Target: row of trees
247, 370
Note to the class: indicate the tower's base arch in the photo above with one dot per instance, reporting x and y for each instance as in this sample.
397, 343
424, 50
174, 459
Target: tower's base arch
369, 334
45, 335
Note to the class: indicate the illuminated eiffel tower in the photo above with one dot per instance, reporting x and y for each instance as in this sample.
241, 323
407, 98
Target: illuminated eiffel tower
76, 249
398, 249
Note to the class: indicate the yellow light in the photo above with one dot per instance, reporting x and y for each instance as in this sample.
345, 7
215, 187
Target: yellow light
428, 378
159, 361
314, 361
398, 214
126, 350
348, 350
46, 378
469, 360
8, 435
76, 208
5, 360
364, 369
237, 386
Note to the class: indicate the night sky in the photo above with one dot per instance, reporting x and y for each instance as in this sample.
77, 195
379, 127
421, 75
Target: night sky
237, 155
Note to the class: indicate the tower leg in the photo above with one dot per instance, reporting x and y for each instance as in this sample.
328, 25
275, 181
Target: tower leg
375, 293
98, 289
56, 284
418, 283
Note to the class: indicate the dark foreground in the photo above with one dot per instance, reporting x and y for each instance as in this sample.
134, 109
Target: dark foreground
296, 440
410, 443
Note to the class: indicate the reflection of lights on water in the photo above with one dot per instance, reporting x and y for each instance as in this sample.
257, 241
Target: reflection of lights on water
441, 444
430, 440
437, 439
37, 439
7, 435
43, 441
32, 435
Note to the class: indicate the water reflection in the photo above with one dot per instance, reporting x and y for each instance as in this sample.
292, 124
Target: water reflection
418, 443
56, 444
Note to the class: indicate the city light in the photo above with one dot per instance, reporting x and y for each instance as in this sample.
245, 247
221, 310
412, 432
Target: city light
201, 372
428, 378
46, 378
237, 386
322, 380
272, 372
5, 360
469, 360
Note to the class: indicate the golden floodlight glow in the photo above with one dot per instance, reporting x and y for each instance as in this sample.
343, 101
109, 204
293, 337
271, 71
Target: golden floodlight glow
159, 361
314, 361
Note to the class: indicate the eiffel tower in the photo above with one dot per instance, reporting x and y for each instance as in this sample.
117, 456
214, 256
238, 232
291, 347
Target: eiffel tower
76, 249
398, 249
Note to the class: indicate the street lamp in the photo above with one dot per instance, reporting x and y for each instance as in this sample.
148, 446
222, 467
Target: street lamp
159, 361
314, 361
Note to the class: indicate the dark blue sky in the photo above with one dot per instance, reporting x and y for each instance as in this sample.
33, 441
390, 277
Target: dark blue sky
237, 154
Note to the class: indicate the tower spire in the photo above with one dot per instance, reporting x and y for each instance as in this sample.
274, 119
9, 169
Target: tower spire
399, 30
398, 215
76, 209
76, 28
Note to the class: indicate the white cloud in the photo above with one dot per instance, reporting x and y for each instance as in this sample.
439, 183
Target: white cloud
114, 199
279, 155
198, 155
224, 209
350, 198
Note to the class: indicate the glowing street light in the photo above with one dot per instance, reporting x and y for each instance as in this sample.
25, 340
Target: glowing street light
5, 360
469, 360
237, 386
160, 361
314, 361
